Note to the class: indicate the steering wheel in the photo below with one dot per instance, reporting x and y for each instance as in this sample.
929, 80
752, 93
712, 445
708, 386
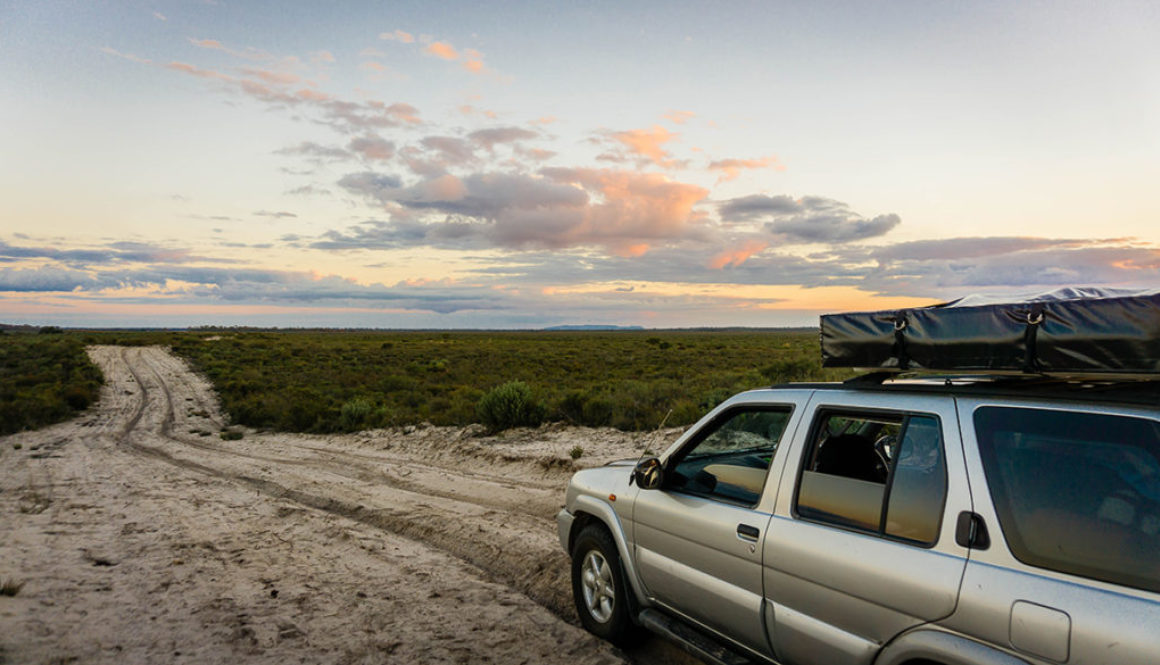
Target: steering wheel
881, 444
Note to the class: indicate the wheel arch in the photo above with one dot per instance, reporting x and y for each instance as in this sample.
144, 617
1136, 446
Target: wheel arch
932, 646
588, 511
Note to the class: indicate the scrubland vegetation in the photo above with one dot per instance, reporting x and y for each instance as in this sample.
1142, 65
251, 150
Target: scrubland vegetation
44, 378
347, 381
327, 382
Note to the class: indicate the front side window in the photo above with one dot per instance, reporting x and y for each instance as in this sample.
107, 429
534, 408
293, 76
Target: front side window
731, 460
1076, 492
875, 472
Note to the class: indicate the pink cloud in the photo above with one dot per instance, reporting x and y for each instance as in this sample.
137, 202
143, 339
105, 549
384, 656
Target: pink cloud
272, 77
193, 70
398, 36
679, 117
441, 50
645, 144
731, 168
736, 257
249, 53
631, 208
473, 61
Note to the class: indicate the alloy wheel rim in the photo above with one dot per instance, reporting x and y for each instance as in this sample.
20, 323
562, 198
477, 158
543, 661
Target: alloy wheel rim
599, 588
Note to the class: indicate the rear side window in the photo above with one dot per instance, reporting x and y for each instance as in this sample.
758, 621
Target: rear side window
881, 473
1077, 493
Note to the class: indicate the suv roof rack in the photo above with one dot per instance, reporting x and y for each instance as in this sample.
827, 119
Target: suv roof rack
1134, 389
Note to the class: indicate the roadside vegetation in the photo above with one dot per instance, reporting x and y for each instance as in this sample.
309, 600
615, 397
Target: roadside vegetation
334, 382
323, 381
45, 377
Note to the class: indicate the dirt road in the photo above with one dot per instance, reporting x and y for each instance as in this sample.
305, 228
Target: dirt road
141, 536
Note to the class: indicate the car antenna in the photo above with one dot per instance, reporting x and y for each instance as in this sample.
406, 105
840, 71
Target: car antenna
657, 431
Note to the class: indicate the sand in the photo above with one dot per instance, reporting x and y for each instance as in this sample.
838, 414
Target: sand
139, 538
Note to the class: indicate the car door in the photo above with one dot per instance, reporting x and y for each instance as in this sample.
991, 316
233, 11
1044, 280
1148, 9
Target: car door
698, 538
863, 547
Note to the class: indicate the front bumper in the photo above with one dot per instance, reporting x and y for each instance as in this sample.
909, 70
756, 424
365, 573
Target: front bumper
564, 521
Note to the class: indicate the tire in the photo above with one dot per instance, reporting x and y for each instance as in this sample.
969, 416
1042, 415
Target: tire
598, 587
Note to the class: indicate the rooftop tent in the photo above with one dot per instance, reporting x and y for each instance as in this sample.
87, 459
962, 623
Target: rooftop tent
1069, 331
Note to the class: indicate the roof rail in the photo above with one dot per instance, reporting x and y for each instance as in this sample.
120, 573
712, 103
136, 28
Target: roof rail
872, 379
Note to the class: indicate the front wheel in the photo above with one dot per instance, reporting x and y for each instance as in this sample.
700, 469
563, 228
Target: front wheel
598, 586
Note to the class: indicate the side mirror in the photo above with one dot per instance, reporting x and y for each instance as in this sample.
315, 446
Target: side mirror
648, 474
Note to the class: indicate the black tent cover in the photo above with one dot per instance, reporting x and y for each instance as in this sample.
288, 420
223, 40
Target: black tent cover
1075, 331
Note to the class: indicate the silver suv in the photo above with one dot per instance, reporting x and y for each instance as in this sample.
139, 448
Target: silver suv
929, 521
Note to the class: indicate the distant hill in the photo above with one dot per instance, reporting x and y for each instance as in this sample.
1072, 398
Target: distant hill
593, 327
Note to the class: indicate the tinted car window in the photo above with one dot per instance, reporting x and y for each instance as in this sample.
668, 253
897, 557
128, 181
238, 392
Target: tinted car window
882, 473
1076, 492
730, 462
918, 485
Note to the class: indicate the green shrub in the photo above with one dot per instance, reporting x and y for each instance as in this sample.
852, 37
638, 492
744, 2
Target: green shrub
577, 452
356, 414
232, 435
510, 405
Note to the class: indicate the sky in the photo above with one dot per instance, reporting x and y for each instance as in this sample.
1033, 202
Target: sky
531, 164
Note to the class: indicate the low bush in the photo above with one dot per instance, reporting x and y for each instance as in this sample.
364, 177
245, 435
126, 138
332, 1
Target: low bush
510, 405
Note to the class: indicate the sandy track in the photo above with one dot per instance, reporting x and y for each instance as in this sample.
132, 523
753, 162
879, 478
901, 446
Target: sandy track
140, 538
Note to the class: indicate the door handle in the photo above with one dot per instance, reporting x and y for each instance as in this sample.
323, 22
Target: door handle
746, 532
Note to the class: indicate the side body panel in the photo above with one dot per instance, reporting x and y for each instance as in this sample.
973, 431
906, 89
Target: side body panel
838, 595
1042, 615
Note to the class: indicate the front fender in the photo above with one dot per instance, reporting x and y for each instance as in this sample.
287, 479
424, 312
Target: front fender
602, 512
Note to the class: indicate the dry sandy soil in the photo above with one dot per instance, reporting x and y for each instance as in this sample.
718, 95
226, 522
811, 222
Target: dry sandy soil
140, 536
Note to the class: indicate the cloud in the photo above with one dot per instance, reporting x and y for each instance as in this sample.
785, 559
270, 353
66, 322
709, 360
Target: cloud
441, 50
810, 219
372, 148
342, 115
833, 228
109, 253
398, 36
644, 145
280, 214
272, 77
127, 56
361, 116
956, 266
249, 53
679, 117
731, 168
309, 190
468, 109
316, 151
489, 138
757, 205
45, 279
473, 61
625, 212
969, 248
735, 257
159, 16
